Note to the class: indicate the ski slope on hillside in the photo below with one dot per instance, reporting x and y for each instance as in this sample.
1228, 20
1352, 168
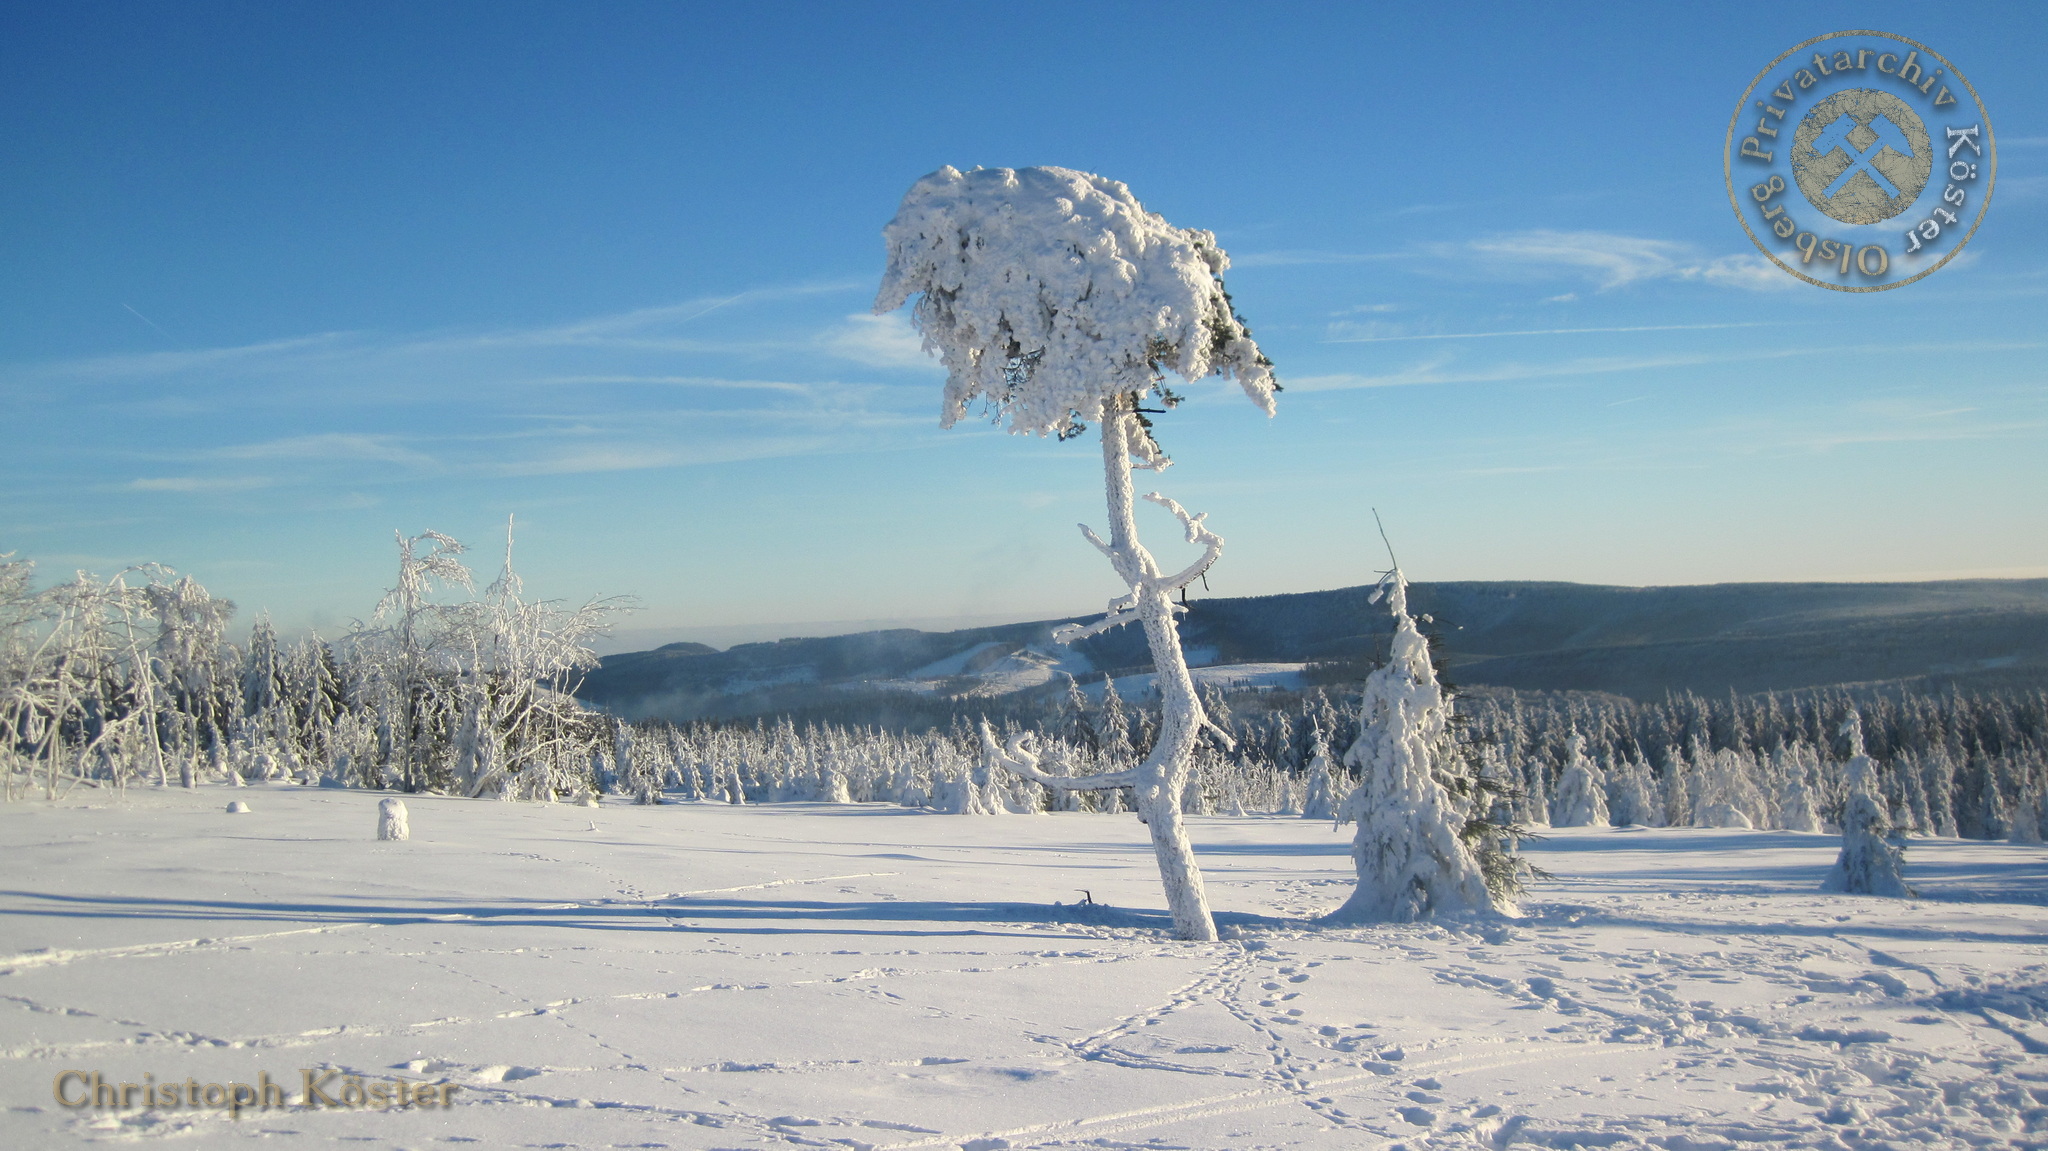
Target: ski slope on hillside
704, 976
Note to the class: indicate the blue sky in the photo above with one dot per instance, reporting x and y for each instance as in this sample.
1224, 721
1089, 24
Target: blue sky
283, 278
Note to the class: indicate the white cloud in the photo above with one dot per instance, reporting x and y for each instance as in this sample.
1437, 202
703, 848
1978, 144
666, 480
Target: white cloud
1442, 370
328, 446
199, 484
625, 456
1295, 256
1609, 259
2021, 188
648, 328
709, 382
884, 341
372, 354
148, 364
1344, 332
1753, 273
1447, 367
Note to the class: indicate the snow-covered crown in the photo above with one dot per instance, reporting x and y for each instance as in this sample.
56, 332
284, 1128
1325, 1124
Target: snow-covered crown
1011, 262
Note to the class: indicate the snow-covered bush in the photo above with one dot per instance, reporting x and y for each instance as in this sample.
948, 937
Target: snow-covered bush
391, 819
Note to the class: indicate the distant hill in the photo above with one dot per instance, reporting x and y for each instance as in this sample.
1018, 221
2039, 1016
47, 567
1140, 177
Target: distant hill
1638, 642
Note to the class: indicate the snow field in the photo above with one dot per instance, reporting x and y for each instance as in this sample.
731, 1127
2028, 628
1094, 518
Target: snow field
704, 976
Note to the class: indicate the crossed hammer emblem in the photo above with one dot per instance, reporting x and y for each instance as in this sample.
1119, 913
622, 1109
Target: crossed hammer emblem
1836, 135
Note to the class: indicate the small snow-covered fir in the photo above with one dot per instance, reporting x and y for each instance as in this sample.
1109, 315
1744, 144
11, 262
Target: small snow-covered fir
1581, 791
1409, 849
1533, 809
1796, 808
1870, 863
1320, 798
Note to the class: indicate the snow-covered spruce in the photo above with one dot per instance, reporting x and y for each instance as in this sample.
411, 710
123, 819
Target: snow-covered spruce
1320, 802
1053, 297
1870, 864
2028, 813
1629, 791
1796, 810
1725, 792
1410, 850
1533, 809
1581, 791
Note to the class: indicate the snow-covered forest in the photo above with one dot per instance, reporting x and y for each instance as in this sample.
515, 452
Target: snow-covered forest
132, 680
1950, 765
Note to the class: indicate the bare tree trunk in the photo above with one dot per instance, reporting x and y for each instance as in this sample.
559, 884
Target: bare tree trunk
1163, 773
1156, 783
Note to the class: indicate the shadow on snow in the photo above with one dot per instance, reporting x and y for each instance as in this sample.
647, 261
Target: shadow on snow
709, 916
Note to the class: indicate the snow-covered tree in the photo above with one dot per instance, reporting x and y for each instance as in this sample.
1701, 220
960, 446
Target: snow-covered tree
1533, 809
1629, 795
419, 647
1581, 791
1796, 810
1056, 300
2027, 812
1870, 863
1677, 791
190, 625
1319, 801
1411, 850
1725, 792
1939, 776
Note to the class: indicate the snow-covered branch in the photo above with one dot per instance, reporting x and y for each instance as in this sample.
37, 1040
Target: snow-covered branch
1015, 756
1197, 533
1074, 632
1089, 534
1222, 737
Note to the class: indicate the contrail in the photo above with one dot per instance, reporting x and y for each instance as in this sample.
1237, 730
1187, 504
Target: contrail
147, 320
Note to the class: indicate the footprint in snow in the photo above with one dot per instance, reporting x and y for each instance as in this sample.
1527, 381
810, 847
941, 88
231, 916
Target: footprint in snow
504, 1073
